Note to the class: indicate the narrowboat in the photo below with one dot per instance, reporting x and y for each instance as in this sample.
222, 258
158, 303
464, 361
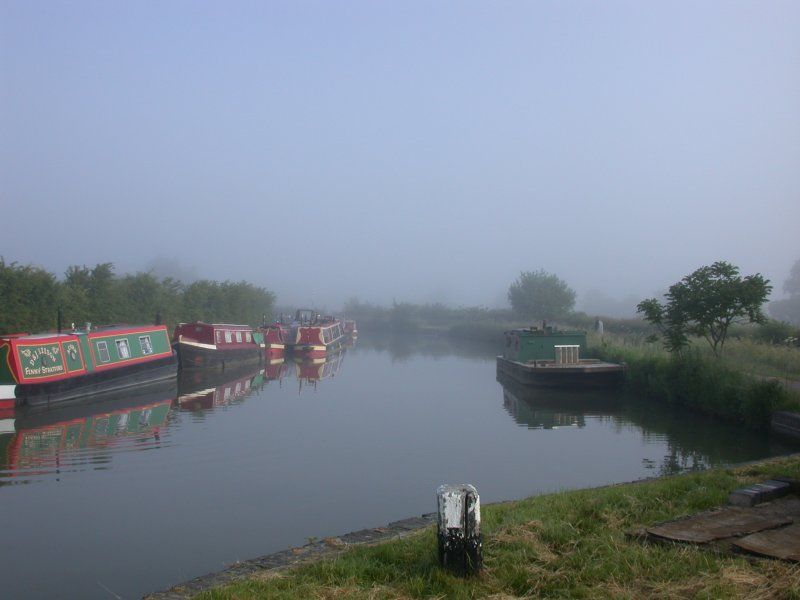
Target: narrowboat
314, 336
551, 358
216, 345
49, 368
274, 346
350, 329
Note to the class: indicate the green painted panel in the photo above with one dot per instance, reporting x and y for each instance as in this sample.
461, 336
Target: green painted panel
6, 376
84, 342
41, 360
73, 355
539, 345
126, 346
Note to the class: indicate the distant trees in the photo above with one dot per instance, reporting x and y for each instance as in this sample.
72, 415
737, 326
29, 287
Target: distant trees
539, 294
788, 309
30, 297
705, 304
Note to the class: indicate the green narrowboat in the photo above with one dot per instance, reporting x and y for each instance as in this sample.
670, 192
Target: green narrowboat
51, 368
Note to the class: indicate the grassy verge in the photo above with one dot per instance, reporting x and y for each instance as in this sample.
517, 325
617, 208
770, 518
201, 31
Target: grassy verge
722, 388
570, 544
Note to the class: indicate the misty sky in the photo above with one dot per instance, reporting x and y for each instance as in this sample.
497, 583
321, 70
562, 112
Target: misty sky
422, 151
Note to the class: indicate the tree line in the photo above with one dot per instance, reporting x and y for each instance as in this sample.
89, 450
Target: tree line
31, 296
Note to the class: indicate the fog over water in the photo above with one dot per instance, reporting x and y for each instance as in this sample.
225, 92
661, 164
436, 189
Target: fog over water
411, 151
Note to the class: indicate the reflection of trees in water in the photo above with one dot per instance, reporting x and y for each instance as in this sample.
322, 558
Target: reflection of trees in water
693, 440
401, 347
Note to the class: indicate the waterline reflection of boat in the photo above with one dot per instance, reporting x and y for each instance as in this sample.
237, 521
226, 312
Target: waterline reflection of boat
537, 408
45, 439
201, 390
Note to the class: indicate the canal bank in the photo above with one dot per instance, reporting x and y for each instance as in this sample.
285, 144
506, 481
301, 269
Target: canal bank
574, 544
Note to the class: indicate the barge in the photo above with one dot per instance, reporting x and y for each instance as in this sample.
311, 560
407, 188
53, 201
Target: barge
315, 336
49, 368
549, 358
216, 345
274, 343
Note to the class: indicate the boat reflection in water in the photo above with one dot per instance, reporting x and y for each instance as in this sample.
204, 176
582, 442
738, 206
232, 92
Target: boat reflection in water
691, 439
76, 437
204, 389
553, 408
309, 371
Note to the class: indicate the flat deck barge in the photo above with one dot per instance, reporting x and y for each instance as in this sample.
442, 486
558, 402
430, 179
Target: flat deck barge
587, 373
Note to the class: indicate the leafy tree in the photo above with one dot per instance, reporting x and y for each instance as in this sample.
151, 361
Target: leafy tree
539, 294
28, 298
705, 304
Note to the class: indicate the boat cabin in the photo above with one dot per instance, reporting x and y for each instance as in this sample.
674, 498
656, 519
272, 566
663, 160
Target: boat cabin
544, 344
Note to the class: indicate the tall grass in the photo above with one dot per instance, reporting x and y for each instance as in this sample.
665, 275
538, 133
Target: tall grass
698, 380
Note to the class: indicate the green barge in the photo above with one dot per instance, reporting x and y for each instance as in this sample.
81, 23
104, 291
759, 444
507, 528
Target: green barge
550, 358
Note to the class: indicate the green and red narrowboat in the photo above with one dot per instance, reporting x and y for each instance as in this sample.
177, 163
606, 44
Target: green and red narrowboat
49, 368
313, 336
216, 345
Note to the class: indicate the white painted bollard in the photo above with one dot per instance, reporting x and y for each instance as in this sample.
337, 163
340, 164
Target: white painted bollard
459, 535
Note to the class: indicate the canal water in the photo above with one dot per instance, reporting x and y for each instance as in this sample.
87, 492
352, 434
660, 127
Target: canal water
144, 490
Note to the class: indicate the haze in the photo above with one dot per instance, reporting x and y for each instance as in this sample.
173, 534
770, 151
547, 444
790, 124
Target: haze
419, 151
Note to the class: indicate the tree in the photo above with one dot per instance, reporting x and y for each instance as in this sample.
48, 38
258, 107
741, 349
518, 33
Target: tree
705, 304
788, 309
539, 294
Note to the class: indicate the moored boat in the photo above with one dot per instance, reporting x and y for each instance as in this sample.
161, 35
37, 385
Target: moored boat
274, 345
548, 357
51, 368
349, 328
314, 336
216, 345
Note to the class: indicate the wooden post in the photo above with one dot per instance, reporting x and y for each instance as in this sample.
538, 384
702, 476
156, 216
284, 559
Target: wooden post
459, 534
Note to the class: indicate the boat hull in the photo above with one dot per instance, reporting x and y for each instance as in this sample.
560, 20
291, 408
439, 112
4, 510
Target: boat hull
586, 374
78, 388
200, 356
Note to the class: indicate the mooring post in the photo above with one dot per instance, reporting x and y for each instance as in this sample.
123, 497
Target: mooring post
459, 534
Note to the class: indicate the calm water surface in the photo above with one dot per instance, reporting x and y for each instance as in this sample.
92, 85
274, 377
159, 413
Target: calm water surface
139, 492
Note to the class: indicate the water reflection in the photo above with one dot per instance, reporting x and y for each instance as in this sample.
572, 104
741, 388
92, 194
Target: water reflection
692, 440
80, 436
309, 371
207, 389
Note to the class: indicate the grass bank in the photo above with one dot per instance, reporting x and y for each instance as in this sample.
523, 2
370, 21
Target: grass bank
728, 388
570, 544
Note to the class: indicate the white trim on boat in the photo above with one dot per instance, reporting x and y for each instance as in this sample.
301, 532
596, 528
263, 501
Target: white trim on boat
7, 426
197, 344
8, 391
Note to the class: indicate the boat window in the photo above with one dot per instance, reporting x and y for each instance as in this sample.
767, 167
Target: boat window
228, 337
219, 337
146, 344
102, 351
246, 336
238, 336
122, 348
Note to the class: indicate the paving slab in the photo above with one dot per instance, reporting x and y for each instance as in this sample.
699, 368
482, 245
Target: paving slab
717, 525
783, 543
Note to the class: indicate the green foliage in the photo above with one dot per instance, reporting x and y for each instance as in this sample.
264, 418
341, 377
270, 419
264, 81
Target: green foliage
702, 383
540, 295
30, 298
705, 304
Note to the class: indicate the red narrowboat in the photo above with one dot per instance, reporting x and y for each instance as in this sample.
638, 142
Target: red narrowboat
314, 336
273, 340
349, 327
216, 345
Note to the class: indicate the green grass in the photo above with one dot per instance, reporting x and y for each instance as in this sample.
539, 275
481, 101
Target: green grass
570, 544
